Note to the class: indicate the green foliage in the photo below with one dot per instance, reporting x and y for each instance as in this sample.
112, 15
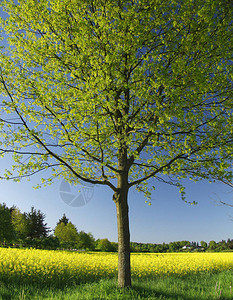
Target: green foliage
85, 241
64, 220
30, 230
87, 81
66, 234
105, 245
203, 244
20, 224
212, 245
69, 237
49, 243
37, 227
7, 233
182, 246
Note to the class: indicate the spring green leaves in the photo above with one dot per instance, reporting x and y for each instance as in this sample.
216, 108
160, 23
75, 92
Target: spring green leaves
83, 81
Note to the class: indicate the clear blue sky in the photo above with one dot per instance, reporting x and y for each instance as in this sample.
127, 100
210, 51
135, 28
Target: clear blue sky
167, 219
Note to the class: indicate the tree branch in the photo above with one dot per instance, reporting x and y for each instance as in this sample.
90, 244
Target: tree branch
51, 153
158, 170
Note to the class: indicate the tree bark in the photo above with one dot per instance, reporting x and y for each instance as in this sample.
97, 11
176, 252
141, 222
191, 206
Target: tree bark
124, 270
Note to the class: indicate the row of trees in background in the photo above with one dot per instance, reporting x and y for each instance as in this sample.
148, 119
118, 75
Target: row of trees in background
183, 246
21, 227
31, 230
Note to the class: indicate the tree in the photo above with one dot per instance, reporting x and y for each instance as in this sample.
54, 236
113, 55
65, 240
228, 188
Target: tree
85, 241
212, 245
64, 220
114, 246
20, 225
37, 228
6, 228
67, 234
105, 245
230, 244
118, 92
203, 244
221, 246
173, 246
50, 243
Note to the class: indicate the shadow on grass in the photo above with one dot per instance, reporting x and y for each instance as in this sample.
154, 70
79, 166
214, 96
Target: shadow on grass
170, 288
103, 289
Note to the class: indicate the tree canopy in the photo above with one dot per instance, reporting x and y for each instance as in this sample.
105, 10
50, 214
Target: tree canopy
117, 92
151, 77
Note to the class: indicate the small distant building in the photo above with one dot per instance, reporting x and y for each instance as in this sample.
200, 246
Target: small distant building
186, 247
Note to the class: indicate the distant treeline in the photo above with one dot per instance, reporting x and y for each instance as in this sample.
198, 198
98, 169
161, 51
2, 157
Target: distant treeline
183, 246
28, 229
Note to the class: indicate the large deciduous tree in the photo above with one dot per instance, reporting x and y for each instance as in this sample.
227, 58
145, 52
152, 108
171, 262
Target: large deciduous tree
117, 92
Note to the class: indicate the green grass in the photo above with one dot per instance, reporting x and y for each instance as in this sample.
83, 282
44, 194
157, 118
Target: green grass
194, 287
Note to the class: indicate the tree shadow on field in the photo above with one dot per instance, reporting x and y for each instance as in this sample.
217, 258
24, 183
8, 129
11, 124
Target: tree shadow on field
90, 290
172, 288
14, 289
152, 293
194, 287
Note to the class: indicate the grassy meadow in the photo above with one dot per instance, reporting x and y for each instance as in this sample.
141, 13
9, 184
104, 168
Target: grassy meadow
43, 274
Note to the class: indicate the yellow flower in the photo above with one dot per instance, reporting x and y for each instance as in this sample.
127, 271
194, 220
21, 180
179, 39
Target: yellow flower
59, 266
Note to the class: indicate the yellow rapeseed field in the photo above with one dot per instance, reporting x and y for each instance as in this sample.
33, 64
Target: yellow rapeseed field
62, 266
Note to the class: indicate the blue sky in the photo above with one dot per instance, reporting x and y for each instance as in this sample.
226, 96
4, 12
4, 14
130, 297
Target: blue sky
167, 219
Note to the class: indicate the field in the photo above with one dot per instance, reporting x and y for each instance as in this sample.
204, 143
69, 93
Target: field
41, 274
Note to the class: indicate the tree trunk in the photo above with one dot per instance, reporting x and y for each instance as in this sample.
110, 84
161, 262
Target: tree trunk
124, 271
